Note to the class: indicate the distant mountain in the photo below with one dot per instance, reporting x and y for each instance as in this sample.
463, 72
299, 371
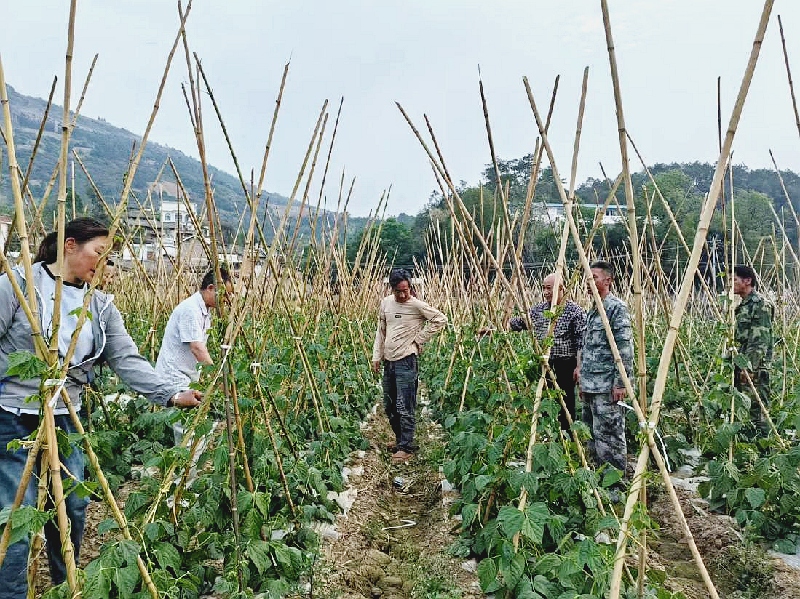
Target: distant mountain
106, 151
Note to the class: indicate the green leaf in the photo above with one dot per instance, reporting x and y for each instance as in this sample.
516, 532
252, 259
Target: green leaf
568, 570
258, 552
468, 513
755, 496
25, 520
524, 590
544, 587
262, 502
129, 550
549, 563
785, 546
536, 516
723, 437
135, 502
657, 576
611, 476
106, 525
487, 573
511, 520
530, 481
608, 522
290, 559
481, 481
25, 365
589, 555
152, 530
167, 556
512, 571
98, 584
126, 579
275, 589
77, 313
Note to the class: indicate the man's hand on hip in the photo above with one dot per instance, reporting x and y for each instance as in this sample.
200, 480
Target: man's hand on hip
617, 394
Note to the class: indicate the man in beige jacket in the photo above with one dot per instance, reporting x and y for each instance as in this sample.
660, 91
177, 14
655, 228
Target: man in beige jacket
405, 324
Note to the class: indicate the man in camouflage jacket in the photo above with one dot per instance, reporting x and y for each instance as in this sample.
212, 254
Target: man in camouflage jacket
601, 384
753, 340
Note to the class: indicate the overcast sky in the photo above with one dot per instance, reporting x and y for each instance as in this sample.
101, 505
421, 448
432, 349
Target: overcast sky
424, 54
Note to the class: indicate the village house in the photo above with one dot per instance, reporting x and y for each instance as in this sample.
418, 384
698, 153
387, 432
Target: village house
163, 231
554, 212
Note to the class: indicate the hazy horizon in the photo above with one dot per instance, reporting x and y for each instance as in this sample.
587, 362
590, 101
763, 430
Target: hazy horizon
426, 57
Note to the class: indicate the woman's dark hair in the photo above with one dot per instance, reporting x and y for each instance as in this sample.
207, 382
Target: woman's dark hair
80, 229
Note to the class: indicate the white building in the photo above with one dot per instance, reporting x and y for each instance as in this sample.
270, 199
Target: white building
176, 212
5, 227
555, 212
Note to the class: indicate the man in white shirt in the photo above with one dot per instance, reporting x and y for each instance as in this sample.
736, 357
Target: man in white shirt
405, 323
184, 347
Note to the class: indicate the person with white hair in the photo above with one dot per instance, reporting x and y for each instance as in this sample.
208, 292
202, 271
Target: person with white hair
567, 339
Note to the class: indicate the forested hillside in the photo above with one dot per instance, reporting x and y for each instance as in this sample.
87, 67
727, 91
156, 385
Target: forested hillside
106, 151
682, 185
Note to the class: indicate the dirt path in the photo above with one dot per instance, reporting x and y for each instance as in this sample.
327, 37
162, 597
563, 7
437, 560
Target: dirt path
393, 541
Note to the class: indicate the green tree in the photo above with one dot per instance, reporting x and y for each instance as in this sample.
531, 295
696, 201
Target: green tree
395, 242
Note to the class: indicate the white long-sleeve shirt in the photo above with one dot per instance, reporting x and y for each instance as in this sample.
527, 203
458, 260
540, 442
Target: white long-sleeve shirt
404, 327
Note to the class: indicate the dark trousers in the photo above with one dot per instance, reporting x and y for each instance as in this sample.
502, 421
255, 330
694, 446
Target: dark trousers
758, 425
400, 399
564, 369
13, 573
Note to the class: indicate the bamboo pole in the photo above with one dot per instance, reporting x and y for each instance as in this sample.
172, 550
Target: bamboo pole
637, 480
686, 286
557, 283
789, 75
638, 316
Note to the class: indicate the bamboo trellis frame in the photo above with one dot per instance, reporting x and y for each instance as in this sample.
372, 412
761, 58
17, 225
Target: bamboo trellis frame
473, 244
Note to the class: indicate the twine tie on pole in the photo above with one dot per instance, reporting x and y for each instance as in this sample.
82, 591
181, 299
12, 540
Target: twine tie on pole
643, 424
58, 384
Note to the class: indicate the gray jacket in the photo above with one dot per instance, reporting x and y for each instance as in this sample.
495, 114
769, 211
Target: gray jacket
112, 343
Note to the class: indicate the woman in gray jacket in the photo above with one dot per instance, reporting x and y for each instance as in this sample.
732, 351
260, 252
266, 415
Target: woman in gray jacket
103, 335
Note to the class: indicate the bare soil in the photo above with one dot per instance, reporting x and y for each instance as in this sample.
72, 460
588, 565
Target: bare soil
393, 542
719, 542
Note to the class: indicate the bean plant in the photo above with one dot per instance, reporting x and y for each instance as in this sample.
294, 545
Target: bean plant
293, 459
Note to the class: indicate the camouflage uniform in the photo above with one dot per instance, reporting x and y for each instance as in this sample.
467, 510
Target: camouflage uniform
598, 377
754, 342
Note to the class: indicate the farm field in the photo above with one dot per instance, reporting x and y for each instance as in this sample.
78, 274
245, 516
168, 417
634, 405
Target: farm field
279, 483
297, 430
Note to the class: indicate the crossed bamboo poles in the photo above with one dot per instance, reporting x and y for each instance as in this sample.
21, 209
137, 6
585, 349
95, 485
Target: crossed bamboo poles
648, 423
257, 294
285, 288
